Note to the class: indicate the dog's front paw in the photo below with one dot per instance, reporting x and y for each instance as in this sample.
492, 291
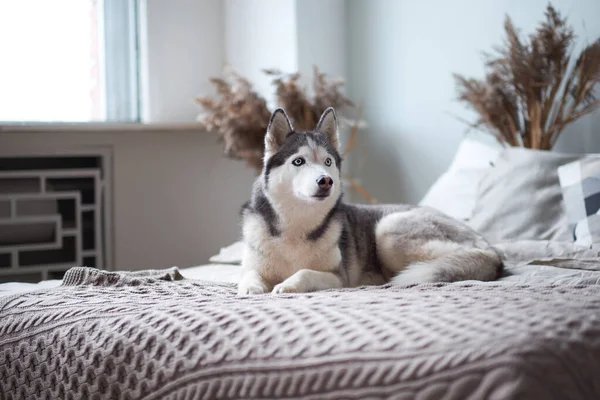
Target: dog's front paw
249, 288
285, 287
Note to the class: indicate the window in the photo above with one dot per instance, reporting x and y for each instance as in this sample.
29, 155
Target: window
68, 60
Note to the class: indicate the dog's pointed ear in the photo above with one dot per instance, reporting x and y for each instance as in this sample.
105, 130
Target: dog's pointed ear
328, 125
279, 128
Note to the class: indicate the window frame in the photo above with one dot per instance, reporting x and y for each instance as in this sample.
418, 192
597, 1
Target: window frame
120, 70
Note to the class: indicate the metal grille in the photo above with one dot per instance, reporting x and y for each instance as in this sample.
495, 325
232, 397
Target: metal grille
53, 215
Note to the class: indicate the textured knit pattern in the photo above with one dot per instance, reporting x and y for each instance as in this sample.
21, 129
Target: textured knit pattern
121, 336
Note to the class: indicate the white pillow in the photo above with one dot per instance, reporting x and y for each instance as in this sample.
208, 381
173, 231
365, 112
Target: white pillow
455, 191
474, 152
231, 254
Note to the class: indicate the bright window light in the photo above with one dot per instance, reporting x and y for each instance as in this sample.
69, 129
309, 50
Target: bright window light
54, 67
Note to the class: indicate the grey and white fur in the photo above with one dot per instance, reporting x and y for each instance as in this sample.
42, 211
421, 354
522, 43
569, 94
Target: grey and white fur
299, 236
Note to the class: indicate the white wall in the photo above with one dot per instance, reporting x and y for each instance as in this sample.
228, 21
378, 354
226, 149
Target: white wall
322, 36
401, 56
182, 45
260, 34
289, 35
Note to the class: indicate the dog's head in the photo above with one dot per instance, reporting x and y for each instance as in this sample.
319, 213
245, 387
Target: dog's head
302, 168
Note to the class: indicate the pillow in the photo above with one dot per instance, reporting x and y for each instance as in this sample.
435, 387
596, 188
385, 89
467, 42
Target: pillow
587, 231
454, 192
520, 198
580, 183
231, 254
475, 153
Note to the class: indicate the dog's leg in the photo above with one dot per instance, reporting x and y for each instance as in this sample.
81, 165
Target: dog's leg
252, 283
307, 280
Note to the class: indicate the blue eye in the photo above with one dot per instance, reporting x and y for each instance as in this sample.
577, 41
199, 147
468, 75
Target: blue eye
298, 161
328, 162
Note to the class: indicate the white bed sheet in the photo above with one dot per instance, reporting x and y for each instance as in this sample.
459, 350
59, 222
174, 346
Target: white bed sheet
228, 273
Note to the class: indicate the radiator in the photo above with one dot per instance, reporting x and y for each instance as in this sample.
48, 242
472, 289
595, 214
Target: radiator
54, 214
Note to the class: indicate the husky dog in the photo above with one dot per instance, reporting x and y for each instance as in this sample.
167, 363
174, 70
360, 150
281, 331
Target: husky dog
299, 235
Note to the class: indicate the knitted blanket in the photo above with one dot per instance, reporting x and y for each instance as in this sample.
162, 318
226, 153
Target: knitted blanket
155, 335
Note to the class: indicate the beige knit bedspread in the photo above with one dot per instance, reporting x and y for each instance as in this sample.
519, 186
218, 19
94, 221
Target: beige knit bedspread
154, 335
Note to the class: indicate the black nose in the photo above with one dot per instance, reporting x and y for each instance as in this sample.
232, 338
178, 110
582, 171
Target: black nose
325, 182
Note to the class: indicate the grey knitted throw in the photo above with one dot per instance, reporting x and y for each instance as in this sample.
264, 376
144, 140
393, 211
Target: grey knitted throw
155, 335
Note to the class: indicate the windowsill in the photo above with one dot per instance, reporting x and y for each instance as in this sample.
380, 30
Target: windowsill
95, 127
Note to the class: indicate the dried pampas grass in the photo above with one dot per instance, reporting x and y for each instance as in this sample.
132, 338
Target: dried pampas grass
304, 110
241, 116
533, 89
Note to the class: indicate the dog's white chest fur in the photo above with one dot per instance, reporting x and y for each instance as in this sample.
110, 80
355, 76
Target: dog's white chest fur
279, 257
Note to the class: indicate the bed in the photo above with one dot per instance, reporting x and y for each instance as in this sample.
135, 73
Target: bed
163, 334
185, 334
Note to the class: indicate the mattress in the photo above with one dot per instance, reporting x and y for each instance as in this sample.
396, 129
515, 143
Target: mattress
160, 335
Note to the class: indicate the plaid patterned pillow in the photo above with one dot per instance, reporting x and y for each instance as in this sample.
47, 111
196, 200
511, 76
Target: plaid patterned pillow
580, 184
